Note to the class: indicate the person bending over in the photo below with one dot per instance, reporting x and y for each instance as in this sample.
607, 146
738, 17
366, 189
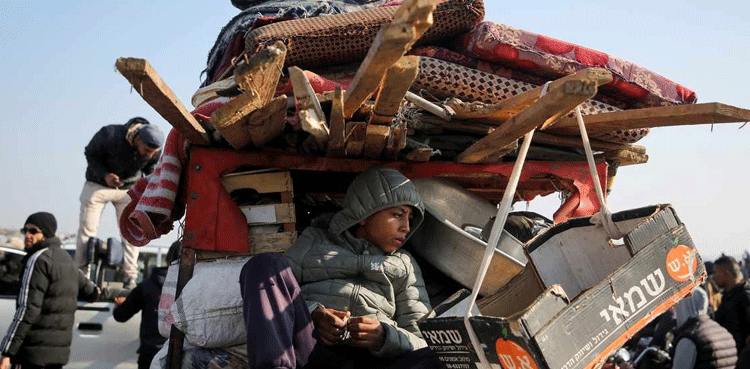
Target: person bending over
117, 156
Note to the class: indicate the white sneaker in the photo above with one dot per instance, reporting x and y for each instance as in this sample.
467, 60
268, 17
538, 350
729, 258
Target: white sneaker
129, 285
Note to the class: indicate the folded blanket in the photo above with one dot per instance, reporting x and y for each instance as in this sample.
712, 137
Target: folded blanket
551, 58
345, 38
154, 204
230, 41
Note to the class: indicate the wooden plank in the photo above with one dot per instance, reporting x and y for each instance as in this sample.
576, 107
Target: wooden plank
156, 93
398, 79
207, 255
355, 138
261, 182
337, 133
596, 145
421, 154
257, 214
310, 113
271, 242
558, 100
228, 118
243, 121
436, 125
176, 336
412, 18
288, 198
416, 13
396, 141
663, 116
266, 123
500, 112
257, 76
494, 114
376, 137
626, 157
261, 71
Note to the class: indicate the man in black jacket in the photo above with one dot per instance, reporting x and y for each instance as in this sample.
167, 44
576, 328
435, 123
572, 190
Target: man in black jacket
117, 156
700, 342
734, 311
145, 298
42, 329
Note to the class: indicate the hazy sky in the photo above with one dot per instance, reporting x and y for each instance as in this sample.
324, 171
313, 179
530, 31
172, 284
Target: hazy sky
60, 87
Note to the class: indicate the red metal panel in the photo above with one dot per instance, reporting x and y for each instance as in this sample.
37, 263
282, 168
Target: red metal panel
213, 222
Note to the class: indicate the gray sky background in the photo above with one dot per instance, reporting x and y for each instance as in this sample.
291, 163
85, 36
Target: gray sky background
60, 87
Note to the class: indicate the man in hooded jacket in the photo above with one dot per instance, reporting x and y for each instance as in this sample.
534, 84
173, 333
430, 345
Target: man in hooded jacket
345, 294
42, 329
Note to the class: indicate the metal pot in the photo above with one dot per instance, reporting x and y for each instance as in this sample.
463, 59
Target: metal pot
443, 242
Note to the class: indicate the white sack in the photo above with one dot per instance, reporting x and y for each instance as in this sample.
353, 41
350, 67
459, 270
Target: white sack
209, 309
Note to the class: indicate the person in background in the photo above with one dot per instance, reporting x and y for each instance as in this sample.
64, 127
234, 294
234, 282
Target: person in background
344, 295
117, 156
42, 329
700, 342
734, 311
145, 298
712, 289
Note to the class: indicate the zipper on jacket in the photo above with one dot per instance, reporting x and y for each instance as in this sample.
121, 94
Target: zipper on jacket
357, 286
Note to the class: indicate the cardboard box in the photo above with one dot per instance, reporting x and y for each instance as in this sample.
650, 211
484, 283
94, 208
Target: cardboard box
662, 266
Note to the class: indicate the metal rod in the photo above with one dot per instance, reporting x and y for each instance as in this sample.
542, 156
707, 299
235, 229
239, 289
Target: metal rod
440, 110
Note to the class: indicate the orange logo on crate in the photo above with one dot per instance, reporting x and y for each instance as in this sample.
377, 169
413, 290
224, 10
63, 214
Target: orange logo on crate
513, 356
682, 262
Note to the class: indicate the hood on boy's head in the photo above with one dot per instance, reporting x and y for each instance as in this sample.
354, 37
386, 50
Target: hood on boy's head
373, 190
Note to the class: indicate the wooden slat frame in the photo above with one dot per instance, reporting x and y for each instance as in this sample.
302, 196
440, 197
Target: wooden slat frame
285, 213
261, 182
272, 242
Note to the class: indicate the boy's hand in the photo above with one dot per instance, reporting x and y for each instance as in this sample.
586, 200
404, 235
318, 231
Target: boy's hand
366, 332
119, 300
330, 324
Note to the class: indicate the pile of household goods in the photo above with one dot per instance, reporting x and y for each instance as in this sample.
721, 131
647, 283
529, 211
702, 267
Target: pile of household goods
418, 80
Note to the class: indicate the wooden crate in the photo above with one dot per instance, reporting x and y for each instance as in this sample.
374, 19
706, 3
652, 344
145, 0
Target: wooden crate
262, 218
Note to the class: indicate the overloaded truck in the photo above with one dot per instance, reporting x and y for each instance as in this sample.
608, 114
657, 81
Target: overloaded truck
478, 115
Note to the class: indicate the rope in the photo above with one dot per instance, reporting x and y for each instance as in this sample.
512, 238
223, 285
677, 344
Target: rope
494, 239
602, 218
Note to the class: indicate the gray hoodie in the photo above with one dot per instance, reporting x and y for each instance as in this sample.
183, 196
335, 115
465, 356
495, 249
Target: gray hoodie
337, 270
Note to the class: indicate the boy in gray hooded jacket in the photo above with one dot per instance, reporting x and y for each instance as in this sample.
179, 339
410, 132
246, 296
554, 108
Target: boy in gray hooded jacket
345, 294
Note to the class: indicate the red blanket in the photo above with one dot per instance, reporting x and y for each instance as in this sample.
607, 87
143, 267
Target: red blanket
551, 58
